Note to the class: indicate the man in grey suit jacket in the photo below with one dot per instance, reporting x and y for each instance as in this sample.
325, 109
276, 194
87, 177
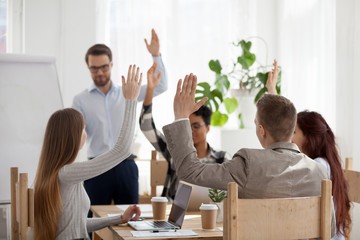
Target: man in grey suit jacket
278, 170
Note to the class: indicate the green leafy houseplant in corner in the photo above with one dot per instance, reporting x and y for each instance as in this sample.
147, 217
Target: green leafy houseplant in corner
217, 196
246, 72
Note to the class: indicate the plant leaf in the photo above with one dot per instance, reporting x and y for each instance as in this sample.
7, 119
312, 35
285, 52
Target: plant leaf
215, 96
247, 59
222, 82
242, 126
218, 119
230, 104
245, 45
262, 77
260, 93
215, 66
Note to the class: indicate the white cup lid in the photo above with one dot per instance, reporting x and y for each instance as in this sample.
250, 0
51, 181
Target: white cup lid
208, 207
159, 199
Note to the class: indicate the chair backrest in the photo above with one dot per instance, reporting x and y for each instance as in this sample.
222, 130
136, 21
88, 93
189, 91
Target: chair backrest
353, 179
22, 205
279, 218
158, 171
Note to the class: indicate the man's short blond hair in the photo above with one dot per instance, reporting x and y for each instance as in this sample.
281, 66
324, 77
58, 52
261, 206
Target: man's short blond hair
278, 115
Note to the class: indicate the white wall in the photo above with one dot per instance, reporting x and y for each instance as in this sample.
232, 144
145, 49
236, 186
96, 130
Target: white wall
64, 29
348, 62
347, 95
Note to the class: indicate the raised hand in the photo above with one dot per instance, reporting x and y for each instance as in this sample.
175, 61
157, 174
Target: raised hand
184, 101
272, 79
154, 46
131, 87
152, 80
130, 212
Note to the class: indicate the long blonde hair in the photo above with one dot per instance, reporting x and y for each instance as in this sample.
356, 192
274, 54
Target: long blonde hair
60, 147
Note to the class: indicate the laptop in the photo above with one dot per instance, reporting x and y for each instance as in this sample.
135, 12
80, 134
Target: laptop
199, 195
176, 217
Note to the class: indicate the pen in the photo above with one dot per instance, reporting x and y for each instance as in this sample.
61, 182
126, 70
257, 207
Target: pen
157, 231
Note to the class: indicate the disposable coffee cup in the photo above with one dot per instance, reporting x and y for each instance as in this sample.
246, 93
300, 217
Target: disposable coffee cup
208, 216
159, 207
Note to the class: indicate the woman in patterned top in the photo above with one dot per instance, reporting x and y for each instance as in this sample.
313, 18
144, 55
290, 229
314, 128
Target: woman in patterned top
200, 125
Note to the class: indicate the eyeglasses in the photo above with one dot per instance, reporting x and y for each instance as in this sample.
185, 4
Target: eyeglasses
104, 68
196, 126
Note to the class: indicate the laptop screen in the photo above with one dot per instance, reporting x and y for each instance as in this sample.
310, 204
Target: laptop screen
180, 204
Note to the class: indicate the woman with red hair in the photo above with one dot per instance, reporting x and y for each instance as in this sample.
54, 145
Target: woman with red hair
315, 138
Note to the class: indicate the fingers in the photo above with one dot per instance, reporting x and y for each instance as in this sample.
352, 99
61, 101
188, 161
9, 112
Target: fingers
146, 42
137, 74
140, 80
123, 80
178, 88
194, 84
189, 85
154, 65
132, 77
153, 34
129, 73
185, 84
200, 103
270, 76
158, 77
137, 212
190, 82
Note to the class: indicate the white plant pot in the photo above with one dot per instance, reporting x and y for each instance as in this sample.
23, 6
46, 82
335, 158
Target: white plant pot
220, 213
246, 106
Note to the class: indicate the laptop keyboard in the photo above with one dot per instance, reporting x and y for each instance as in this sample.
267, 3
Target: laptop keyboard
160, 224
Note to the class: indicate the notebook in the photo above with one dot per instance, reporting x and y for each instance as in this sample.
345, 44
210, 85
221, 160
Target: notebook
177, 213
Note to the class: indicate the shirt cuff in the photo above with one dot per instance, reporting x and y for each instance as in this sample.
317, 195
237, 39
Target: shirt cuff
181, 119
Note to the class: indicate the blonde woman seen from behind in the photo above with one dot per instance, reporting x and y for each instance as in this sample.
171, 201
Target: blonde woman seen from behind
61, 202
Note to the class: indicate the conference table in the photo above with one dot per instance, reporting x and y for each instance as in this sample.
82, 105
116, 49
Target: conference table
192, 222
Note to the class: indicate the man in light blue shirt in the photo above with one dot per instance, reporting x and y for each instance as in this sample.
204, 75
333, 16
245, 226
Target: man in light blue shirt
102, 105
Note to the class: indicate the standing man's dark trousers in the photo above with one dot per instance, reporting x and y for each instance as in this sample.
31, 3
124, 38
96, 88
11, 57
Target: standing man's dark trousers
119, 183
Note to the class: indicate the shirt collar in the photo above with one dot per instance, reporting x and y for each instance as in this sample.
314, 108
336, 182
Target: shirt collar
93, 87
211, 151
284, 145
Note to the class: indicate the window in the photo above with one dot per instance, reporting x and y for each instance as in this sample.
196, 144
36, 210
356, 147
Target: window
3, 25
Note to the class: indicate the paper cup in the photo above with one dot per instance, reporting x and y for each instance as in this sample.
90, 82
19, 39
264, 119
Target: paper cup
159, 207
208, 216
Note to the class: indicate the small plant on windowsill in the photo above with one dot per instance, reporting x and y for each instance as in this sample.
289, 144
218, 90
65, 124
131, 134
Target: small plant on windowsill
246, 74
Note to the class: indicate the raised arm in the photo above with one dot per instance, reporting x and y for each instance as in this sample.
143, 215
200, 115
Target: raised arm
80, 171
181, 146
147, 124
184, 101
272, 79
152, 82
154, 50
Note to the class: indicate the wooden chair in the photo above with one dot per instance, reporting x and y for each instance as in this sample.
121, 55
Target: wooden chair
22, 205
158, 171
280, 218
353, 179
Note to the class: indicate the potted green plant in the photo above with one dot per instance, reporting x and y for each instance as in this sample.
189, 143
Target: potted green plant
217, 197
246, 73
